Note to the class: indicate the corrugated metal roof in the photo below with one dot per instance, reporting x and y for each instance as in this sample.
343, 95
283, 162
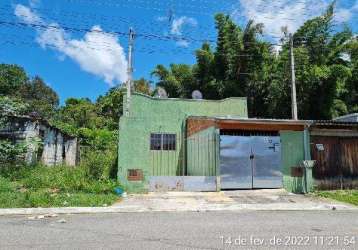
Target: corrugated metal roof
287, 121
335, 123
350, 117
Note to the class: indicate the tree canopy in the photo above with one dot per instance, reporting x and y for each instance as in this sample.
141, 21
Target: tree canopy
39, 97
243, 64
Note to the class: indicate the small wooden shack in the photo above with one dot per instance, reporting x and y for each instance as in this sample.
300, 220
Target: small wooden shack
334, 146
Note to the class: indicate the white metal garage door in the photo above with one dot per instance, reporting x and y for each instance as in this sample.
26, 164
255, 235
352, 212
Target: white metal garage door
250, 161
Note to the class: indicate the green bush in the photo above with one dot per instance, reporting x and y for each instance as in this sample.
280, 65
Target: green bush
42, 198
99, 153
11, 154
99, 164
63, 178
349, 196
6, 185
40, 186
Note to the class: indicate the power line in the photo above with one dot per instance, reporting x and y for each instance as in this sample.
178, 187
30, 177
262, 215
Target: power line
89, 18
147, 36
119, 33
153, 6
211, 40
34, 43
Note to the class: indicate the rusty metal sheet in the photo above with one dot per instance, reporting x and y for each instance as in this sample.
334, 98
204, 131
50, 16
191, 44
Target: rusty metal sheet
349, 153
336, 160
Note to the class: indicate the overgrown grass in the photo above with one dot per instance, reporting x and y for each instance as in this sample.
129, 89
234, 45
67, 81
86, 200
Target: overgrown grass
54, 187
348, 196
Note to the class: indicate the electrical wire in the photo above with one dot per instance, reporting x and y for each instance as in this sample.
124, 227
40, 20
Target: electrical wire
147, 36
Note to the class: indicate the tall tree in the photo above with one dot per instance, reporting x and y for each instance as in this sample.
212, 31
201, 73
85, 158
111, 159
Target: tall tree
143, 86
14, 83
203, 72
12, 77
322, 74
350, 96
178, 80
80, 113
41, 98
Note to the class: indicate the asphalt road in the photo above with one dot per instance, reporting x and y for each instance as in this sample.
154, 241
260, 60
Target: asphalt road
211, 230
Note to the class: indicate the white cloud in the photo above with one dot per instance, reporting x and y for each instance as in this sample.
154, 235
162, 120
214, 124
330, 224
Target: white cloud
26, 15
342, 15
183, 43
162, 18
98, 53
179, 23
177, 26
280, 14
277, 14
355, 7
34, 3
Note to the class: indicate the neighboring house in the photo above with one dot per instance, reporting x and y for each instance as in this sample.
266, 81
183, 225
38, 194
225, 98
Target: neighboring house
334, 147
348, 118
45, 143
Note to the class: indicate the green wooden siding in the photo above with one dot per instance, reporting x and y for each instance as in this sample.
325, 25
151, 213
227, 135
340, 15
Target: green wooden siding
201, 153
167, 163
292, 148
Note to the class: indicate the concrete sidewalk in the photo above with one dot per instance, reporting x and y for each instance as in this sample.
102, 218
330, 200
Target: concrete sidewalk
259, 200
271, 199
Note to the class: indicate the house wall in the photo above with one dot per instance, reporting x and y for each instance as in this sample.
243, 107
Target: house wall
19, 130
337, 164
71, 149
31, 133
292, 153
152, 115
44, 143
202, 157
49, 154
55, 144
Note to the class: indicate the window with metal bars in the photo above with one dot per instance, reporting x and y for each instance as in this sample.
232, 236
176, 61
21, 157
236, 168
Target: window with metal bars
163, 141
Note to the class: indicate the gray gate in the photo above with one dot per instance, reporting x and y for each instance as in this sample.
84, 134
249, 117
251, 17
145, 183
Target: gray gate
250, 161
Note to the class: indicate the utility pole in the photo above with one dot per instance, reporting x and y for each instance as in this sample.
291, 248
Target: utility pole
129, 70
293, 81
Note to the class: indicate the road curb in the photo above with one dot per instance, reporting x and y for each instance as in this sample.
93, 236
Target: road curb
138, 209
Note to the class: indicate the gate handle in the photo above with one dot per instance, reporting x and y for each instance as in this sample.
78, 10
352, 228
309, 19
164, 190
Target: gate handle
252, 157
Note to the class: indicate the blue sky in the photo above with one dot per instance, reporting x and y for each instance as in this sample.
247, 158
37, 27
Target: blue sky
79, 47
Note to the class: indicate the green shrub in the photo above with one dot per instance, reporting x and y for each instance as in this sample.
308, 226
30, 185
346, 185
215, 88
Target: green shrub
43, 198
349, 196
65, 179
13, 200
99, 164
99, 153
6, 185
40, 186
11, 154
98, 139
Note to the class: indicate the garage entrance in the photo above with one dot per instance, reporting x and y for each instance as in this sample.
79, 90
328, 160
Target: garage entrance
250, 160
